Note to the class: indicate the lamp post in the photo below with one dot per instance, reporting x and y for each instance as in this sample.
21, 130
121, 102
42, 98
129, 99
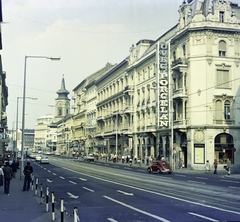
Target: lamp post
24, 98
116, 135
33, 98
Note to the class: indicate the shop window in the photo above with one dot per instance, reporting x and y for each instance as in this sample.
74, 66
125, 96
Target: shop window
222, 48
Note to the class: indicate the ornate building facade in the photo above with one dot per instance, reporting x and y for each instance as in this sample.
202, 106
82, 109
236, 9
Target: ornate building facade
177, 96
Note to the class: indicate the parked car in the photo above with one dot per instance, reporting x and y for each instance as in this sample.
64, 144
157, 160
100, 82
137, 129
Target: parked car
160, 166
89, 157
44, 159
57, 154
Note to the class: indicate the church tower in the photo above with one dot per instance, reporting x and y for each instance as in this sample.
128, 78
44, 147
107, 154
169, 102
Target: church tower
62, 103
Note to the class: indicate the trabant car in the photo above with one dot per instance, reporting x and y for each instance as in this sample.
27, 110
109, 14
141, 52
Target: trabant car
160, 166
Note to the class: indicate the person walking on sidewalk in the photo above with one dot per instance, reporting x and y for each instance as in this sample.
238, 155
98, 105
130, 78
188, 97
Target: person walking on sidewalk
14, 166
28, 176
207, 166
1, 176
8, 174
215, 165
228, 166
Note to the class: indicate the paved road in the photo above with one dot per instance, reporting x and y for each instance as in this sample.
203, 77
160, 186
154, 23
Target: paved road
115, 192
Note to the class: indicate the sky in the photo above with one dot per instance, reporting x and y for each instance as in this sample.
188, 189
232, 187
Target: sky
86, 34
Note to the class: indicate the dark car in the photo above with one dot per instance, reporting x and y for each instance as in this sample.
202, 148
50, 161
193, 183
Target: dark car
160, 166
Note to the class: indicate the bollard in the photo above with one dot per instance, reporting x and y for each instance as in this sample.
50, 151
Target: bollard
47, 195
75, 215
62, 210
53, 210
32, 181
36, 187
41, 193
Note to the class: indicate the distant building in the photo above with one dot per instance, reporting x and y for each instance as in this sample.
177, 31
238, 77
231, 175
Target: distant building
41, 131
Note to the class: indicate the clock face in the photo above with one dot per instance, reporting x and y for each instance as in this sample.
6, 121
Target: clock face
199, 136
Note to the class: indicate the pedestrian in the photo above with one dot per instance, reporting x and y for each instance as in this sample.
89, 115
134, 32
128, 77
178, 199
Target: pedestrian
207, 166
8, 174
180, 163
28, 176
215, 165
14, 166
1, 176
228, 166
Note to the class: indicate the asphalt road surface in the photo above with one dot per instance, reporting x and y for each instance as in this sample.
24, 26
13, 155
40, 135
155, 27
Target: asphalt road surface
114, 192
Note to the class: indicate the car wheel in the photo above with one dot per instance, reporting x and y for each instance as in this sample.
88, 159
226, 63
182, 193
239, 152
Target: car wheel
169, 172
149, 170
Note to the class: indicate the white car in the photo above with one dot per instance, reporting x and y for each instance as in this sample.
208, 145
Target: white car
44, 159
89, 157
38, 157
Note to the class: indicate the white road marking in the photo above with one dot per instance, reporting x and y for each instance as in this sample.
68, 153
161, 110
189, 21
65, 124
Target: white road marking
54, 174
112, 220
50, 181
72, 182
72, 196
128, 168
88, 189
201, 216
180, 175
106, 164
49, 171
202, 178
82, 179
62, 177
234, 187
230, 181
136, 209
125, 193
192, 181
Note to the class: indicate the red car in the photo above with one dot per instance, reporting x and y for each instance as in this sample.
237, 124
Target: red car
160, 166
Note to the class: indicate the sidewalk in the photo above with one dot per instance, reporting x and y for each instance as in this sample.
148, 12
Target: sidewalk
22, 206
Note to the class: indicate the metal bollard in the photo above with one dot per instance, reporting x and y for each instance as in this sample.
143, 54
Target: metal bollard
62, 210
32, 181
41, 193
47, 196
75, 215
53, 210
36, 187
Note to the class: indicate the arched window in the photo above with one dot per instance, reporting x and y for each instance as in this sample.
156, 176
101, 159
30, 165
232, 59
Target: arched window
174, 56
218, 110
222, 48
227, 111
60, 111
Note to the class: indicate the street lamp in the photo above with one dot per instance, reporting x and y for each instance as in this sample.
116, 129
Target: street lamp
33, 98
24, 97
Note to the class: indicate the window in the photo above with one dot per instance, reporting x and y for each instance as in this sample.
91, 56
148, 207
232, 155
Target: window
223, 79
59, 111
221, 16
222, 48
218, 110
227, 113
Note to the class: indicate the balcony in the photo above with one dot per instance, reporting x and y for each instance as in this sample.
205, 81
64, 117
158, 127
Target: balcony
128, 109
179, 93
179, 63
